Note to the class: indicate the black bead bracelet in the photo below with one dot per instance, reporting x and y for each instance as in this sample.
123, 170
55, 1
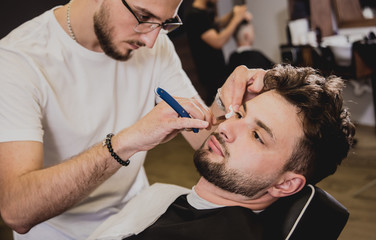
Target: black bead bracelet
113, 154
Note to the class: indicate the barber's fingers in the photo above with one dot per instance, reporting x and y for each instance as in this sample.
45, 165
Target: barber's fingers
158, 126
198, 116
196, 109
240, 13
256, 83
242, 85
233, 89
240, 9
187, 123
248, 16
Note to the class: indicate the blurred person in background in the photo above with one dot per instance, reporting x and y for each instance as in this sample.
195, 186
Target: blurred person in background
207, 34
245, 54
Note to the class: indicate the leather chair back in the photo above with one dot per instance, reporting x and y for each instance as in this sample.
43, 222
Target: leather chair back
310, 214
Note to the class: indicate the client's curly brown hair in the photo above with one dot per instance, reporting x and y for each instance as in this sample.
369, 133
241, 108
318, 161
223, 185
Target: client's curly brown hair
328, 130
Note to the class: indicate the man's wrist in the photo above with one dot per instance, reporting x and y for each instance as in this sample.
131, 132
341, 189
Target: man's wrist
107, 143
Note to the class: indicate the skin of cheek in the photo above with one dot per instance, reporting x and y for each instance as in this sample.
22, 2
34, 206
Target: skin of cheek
261, 162
121, 22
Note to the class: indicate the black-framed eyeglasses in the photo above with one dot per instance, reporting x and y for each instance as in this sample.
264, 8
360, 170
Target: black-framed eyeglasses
145, 27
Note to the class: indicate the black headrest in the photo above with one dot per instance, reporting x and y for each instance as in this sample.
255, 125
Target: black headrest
310, 214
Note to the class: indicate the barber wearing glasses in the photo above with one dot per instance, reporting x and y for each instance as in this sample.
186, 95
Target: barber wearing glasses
78, 111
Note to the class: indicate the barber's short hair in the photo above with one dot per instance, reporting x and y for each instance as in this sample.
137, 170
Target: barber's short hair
328, 130
239, 27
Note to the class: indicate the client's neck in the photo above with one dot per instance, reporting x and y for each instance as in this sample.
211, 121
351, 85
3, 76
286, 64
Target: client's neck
216, 195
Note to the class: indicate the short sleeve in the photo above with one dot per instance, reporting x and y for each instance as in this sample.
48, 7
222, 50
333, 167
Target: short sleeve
20, 99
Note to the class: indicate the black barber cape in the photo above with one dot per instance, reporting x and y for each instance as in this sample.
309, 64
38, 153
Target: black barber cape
181, 221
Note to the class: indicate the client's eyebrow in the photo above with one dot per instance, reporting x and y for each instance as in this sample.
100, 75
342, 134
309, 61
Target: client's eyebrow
260, 123
266, 128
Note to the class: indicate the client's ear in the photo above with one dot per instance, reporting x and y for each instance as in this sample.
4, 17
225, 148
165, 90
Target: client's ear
290, 183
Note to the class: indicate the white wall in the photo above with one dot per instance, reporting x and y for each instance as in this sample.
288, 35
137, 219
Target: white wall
270, 18
360, 103
224, 6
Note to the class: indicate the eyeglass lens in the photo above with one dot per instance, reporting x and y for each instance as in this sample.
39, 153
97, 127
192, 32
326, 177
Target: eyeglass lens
148, 27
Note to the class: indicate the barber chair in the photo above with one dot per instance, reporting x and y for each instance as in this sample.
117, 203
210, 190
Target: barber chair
310, 214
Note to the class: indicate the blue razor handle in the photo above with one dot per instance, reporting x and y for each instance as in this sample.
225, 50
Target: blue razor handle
174, 104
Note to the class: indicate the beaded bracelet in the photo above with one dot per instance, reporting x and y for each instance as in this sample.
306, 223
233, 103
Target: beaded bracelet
113, 154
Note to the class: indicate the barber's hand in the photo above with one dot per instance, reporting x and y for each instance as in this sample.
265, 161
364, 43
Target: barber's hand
240, 13
162, 124
242, 85
248, 16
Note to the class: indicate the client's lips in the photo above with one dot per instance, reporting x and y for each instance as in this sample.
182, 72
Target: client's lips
215, 145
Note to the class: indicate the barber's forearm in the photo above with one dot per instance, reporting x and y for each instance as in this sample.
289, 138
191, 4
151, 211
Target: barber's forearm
219, 39
228, 31
225, 20
41, 194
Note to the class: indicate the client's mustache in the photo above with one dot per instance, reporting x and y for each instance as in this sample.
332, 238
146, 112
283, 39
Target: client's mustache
222, 142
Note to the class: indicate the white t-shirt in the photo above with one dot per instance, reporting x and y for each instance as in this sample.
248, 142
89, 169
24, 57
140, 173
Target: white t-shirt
57, 92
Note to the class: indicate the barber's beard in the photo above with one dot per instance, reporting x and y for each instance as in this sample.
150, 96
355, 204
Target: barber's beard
231, 180
104, 34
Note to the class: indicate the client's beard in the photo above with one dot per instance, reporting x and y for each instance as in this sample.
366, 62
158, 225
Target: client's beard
231, 180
